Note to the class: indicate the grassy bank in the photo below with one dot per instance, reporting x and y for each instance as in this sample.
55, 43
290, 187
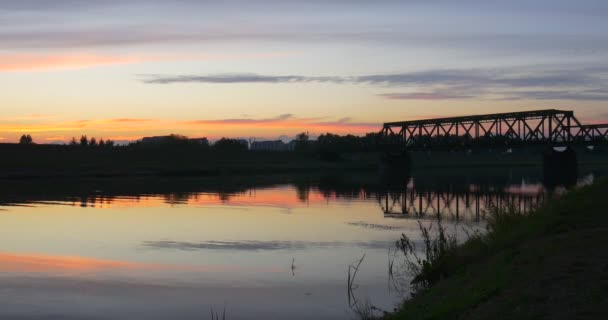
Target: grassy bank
552, 264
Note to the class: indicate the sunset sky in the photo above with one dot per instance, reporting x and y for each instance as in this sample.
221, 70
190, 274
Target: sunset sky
123, 69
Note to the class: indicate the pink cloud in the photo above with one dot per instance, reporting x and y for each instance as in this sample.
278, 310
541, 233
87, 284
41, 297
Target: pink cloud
41, 62
32, 62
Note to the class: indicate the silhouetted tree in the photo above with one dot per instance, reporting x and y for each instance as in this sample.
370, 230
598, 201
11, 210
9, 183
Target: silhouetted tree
26, 139
73, 142
302, 141
336, 143
109, 143
93, 142
84, 141
372, 140
102, 143
304, 136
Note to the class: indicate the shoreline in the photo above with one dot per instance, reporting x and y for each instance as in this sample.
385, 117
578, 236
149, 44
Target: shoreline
549, 264
54, 162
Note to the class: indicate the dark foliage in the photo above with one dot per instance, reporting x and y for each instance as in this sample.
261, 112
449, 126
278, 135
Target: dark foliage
26, 139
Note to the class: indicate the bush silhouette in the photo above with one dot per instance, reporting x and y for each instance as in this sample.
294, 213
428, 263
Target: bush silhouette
26, 139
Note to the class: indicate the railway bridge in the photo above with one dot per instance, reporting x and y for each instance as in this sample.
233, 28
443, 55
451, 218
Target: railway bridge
540, 127
550, 129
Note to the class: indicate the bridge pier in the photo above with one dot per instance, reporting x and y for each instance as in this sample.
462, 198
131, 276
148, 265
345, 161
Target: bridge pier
560, 167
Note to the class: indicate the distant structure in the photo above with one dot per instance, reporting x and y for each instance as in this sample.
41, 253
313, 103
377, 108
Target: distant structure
243, 142
201, 141
274, 145
155, 140
158, 140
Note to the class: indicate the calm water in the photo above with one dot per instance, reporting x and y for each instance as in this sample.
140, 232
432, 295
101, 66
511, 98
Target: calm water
278, 250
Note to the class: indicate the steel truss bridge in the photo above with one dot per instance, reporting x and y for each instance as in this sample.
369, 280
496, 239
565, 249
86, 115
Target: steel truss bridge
540, 127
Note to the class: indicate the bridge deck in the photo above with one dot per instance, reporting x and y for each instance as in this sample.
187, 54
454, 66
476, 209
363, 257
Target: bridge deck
536, 114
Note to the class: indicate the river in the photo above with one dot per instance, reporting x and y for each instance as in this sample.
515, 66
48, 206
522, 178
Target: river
275, 249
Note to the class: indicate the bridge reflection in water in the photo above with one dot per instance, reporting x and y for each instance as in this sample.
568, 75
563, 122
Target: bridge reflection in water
454, 196
469, 204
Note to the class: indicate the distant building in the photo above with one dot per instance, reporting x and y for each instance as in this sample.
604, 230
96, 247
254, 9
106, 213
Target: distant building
156, 140
171, 139
201, 141
243, 142
275, 145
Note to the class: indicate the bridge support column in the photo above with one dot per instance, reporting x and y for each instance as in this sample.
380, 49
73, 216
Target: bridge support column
560, 167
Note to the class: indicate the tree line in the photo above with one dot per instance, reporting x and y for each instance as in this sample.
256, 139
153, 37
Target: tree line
85, 142
327, 142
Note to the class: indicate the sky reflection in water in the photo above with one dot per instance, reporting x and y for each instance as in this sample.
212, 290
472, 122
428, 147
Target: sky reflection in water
161, 256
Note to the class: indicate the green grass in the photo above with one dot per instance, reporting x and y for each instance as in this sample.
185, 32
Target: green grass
552, 264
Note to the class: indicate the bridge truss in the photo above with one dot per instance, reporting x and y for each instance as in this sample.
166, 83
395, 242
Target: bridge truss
551, 127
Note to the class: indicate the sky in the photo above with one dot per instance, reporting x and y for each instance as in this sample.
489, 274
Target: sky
270, 69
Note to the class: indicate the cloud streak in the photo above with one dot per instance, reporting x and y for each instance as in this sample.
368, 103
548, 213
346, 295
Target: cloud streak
425, 96
289, 122
534, 83
243, 121
584, 95
467, 77
34, 26
236, 78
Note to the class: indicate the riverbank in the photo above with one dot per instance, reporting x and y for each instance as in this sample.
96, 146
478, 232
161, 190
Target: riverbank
550, 265
49, 161
58, 161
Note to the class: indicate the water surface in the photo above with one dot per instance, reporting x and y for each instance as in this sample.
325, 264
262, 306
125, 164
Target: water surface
276, 250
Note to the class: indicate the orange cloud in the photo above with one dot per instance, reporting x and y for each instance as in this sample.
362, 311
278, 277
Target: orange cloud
30, 62
291, 123
36, 62
124, 120
46, 128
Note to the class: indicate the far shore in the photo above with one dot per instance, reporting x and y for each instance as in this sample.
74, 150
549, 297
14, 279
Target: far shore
51, 162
